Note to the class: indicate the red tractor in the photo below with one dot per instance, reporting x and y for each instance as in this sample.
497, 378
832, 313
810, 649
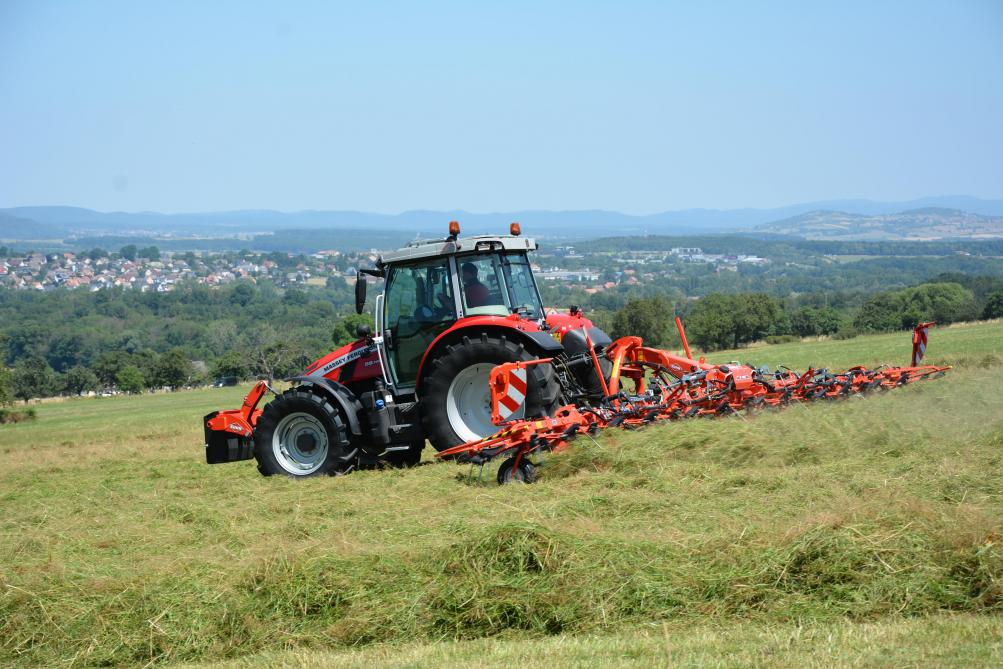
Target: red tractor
451, 310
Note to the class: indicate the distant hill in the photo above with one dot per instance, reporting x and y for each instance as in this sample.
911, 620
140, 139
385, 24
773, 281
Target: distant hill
16, 228
915, 224
80, 222
926, 218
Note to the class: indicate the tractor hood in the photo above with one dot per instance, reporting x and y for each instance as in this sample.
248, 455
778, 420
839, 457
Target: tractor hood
352, 362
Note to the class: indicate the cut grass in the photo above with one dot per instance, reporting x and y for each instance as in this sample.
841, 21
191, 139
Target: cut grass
858, 518
940, 641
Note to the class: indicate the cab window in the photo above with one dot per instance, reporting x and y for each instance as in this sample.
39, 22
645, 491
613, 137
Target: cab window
483, 290
419, 306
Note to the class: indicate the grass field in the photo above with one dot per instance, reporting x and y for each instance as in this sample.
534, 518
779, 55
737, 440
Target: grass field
865, 532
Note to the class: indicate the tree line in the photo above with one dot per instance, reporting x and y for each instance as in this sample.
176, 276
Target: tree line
721, 321
71, 342
68, 342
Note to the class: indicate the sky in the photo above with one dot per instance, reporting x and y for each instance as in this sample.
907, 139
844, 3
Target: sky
637, 107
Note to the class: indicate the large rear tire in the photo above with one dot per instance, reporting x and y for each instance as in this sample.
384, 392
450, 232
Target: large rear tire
301, 434
456, 398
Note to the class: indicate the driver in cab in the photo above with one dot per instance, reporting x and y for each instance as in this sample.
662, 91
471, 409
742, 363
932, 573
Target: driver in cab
475, 291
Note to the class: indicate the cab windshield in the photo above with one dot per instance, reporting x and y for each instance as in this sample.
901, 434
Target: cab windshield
499, 284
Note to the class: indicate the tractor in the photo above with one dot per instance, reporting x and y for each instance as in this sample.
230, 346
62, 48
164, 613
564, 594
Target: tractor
450, 311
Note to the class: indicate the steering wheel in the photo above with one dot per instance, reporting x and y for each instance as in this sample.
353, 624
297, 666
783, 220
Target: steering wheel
424, 314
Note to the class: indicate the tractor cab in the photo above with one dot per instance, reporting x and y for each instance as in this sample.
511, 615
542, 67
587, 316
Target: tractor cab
430, 286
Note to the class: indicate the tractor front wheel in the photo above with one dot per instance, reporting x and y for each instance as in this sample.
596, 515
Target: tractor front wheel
456, 396
301, 434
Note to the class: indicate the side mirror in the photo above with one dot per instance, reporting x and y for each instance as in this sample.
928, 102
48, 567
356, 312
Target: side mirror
360, 293
362, 331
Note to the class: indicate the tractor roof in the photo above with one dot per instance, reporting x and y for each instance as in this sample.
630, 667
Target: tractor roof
421, 249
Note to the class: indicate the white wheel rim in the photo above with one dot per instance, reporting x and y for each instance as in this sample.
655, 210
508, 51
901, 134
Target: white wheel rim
300, 443
468, 403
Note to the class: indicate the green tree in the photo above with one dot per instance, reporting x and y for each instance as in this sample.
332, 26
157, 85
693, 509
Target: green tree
243, 293
754, 318
711, 324
32, 377
79, 380
940, 302
295, 297
149, 252
994, 306
109, 364
881, 313
6, 387
811, 322
272, 355
650, 319
66, 350
172, 369
221, 336
805, 322
344, 331
128, 252
232, 363
829, 321
26, 340
130, 380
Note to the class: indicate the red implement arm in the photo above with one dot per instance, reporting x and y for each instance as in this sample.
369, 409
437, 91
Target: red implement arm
670, 387
240, 421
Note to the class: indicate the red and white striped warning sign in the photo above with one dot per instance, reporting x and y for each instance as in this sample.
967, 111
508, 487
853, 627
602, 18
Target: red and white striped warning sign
919, 342
515, 394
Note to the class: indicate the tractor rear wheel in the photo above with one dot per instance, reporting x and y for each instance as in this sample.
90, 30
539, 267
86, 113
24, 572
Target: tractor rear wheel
456, 398
301, 434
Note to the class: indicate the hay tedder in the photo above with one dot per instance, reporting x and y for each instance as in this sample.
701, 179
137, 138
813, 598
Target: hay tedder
466, 357
664, 386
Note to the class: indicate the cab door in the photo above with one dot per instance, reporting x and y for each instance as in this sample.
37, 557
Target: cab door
420, 305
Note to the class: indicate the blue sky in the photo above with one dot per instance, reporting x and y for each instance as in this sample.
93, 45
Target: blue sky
631, 106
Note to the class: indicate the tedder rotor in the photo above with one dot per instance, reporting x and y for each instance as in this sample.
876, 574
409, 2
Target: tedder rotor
464, 356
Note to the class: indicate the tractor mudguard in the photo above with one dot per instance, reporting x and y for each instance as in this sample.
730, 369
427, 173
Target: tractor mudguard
345, 398
514, 328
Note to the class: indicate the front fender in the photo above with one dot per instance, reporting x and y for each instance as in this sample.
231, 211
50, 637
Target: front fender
344, 397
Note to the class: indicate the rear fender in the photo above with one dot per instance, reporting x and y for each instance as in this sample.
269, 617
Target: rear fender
344, 398
536, 340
